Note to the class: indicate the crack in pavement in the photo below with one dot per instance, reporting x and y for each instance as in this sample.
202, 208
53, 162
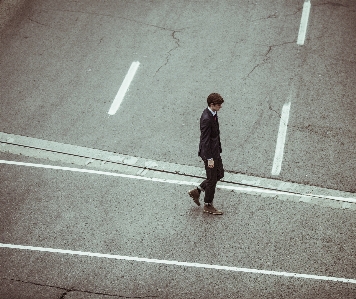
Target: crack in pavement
270, 108
294, 13
111, 16
174, 31
171, 50
273, 16
34, 21
67, 291
266, 57
335, 4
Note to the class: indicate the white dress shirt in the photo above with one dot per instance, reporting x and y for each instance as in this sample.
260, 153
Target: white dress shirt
212, 112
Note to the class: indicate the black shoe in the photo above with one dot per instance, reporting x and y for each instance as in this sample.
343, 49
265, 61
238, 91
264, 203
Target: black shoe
211, 210
195, 195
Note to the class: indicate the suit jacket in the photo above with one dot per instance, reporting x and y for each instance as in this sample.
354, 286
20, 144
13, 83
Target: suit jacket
209, 145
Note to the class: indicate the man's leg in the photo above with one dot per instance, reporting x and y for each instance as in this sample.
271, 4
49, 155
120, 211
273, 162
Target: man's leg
209, 184
219, 168
212, 176
202, 186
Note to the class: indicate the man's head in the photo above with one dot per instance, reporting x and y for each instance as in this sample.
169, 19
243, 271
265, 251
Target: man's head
215, 101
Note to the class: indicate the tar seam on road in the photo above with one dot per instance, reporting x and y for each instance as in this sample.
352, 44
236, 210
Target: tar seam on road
177, 263
123, 88
170, 181
304, 23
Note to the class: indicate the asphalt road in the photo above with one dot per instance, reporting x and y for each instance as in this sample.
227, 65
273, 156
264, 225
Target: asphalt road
90, 213
62, 63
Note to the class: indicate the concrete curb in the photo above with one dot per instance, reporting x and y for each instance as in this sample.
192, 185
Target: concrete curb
137, 166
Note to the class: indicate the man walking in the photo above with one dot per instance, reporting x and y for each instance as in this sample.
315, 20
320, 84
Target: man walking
209, 151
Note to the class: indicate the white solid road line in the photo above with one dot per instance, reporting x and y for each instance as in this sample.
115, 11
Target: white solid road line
178, 182
281, 139
129, 176
304, 23
123, 88
177, 263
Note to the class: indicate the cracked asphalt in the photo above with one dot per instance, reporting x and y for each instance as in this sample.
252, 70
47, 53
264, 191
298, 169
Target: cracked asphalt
62, 63
245, 51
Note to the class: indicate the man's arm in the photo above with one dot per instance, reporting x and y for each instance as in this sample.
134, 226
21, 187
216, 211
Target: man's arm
205, 130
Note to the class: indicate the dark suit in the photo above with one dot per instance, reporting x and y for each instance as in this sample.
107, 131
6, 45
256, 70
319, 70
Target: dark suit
210, 147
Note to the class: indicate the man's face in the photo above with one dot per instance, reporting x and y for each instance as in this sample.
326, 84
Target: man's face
215, 107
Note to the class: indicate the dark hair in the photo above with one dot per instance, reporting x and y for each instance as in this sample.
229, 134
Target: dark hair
214, 98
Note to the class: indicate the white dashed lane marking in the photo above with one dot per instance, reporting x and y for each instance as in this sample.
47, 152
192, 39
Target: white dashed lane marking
304, 23
281, 139
123, 88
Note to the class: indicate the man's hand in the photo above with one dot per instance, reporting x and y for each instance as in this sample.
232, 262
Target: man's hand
211, 163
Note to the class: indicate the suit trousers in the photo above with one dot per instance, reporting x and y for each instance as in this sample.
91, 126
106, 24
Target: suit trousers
213, 175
